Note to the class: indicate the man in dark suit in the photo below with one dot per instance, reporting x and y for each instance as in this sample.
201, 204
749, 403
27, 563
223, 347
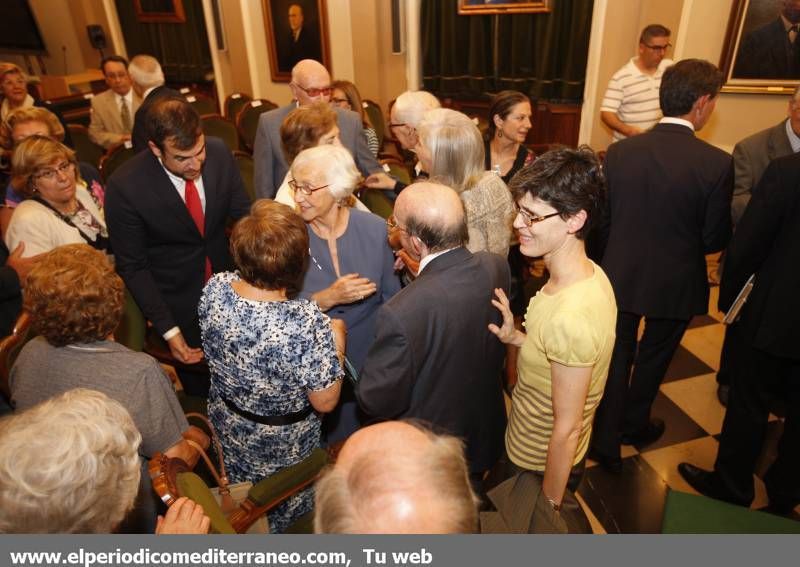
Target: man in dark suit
302, 41
765, 244
772, 51
751, 157
311, 83
434, 357
669, 205
166, 210
148, 84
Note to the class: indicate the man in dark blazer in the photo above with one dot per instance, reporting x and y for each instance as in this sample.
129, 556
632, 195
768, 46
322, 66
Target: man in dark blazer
161, 253
773, 50
765, 244
311, 83
434, 357
669, 205
148, 84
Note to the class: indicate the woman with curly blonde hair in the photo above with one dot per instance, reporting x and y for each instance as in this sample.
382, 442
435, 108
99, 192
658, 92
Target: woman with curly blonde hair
75, 300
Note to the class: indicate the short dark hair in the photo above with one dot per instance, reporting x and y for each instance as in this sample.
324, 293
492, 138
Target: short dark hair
174, 118
270, 247
653, 30
570, 180
685, 82
501, 105
113, 59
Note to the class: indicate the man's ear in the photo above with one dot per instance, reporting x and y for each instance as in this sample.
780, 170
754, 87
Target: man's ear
153, 148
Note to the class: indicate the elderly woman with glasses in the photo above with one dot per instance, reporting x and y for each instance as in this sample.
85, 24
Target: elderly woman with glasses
57, 209
351, 272
273, 357
565, 350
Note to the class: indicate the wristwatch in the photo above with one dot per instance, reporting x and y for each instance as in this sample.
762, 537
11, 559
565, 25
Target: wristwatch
556, 507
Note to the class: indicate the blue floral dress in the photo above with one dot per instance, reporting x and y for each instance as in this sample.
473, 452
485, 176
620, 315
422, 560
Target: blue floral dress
264, 356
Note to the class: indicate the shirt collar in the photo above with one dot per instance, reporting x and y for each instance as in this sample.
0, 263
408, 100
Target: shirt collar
794, 139
674, 120
430, 258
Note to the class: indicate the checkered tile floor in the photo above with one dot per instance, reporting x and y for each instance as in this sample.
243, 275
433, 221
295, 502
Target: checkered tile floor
633, 501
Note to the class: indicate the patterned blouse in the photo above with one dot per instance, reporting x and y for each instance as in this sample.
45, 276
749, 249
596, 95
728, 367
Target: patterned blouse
264, 357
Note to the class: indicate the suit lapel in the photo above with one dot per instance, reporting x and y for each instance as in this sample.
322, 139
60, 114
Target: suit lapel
211, 189
164, 191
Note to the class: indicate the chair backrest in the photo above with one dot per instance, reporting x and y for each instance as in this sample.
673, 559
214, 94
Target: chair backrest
171, 479
247, 119
398, 169
9, 349
246, 170
375, 114
234, 103
86, 150
115, 157
202, 104
221, 127
131, 329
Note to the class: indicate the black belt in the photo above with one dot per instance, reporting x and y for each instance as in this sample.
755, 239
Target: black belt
274, 420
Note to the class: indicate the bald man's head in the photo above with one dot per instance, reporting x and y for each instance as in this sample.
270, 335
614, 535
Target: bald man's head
433, 213
395, 477
311, 82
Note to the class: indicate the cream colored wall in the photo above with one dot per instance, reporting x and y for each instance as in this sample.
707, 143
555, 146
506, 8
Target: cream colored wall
698, 30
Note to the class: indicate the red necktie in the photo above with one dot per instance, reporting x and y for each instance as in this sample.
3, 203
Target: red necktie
196, 212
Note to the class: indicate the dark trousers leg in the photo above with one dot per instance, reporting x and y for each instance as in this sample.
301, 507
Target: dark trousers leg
659, 342
727, 359
781, 479
608, 419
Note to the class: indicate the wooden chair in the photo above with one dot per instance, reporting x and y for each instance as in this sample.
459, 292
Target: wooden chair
9, 349
221, 127
375, 114
85, 149
115, 157
234, 102
172, 478
202, 104
246, 170
247, 119
397, 168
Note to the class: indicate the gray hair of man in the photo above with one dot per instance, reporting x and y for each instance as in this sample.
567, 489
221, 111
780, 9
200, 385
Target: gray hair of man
333, 164
68, 465
456, 148
410, 106
405, 484
145, 71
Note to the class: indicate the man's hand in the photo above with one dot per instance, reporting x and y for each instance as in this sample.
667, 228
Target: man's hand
22, 265
183, 517
183, 352
379, 180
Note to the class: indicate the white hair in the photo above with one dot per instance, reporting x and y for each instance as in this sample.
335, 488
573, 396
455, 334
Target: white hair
410, 106
68, 465
455, 145
332, 163
145, 71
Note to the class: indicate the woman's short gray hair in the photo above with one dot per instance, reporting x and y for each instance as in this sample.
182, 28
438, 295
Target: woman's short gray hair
456, 148
68, 465
145, 71
410, 107
332, 163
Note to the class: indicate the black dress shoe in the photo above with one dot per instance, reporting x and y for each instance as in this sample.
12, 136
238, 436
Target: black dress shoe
698, 478
650, 434
611, 464
723, 391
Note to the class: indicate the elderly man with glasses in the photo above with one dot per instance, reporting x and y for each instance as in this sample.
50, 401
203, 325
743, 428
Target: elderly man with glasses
311, 83
630, 105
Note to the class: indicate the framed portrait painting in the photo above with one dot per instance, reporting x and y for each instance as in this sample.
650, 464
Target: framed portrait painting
296, 30
160, 11
484, 7
762, 47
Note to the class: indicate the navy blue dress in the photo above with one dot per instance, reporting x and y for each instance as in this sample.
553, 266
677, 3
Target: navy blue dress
264, 356
362, 249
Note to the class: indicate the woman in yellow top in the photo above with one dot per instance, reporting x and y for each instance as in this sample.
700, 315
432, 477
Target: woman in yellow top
565, 352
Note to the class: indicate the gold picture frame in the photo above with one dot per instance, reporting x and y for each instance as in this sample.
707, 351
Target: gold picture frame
286, 47
487, 7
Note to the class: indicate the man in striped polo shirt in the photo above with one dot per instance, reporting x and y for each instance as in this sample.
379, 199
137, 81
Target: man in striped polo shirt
630, 105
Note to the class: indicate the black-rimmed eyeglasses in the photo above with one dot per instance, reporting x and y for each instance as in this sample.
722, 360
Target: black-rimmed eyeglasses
304, 189
658, 47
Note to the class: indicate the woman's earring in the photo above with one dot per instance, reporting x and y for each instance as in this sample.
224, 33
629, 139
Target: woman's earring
499, 134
